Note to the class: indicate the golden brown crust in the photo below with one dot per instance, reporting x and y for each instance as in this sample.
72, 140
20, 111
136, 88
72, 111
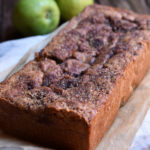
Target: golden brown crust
77, 83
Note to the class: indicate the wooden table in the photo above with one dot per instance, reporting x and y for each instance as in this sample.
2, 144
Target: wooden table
7, 30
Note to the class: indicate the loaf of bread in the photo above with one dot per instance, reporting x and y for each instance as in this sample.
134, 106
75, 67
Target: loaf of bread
69, 95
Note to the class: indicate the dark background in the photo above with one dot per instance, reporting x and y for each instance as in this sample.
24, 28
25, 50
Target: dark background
7, 31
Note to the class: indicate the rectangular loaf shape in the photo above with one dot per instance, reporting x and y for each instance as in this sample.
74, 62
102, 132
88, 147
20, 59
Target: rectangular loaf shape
70, 94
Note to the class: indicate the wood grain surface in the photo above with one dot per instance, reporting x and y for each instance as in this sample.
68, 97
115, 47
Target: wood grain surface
7, 30
139, 6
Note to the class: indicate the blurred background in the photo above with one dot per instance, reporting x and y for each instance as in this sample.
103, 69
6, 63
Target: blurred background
7, 30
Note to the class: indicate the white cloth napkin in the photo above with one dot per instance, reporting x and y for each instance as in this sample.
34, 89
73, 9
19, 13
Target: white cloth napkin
12, 51
142, 138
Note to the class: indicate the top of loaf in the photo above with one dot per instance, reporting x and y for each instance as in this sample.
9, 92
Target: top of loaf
78, 69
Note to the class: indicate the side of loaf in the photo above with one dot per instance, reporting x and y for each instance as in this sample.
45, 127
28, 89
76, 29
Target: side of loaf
69, 95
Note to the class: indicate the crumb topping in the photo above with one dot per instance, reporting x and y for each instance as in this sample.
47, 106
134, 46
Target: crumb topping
79, 67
